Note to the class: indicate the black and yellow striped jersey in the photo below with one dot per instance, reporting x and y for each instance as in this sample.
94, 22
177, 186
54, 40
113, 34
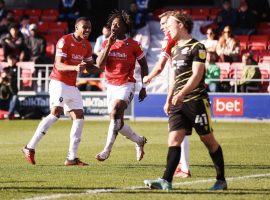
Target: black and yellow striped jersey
182, 59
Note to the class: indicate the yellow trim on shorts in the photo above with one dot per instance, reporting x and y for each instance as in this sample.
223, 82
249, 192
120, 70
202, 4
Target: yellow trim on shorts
208, 112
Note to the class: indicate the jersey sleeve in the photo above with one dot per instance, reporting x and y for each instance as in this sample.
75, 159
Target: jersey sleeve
88, 57
138, 51
61, 48
199, 53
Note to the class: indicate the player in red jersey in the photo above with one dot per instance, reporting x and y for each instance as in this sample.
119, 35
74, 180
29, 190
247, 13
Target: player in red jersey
182, 169
73, 54
118, 57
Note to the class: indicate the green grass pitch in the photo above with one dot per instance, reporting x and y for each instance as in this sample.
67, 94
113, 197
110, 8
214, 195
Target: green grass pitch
246, 148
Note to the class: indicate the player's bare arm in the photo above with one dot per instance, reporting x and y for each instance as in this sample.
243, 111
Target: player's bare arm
144, 72
103, 55
156, 71
168, 103
61, 66
197, 75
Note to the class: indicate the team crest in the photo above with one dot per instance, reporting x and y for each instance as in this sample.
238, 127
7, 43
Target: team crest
61, 99
83, 45
202, 54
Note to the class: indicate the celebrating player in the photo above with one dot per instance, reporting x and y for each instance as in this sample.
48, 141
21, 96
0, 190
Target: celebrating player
118, 57
183, 167
187, 102
73, 54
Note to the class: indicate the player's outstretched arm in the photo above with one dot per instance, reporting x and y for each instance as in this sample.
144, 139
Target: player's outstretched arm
156, 70
61, 66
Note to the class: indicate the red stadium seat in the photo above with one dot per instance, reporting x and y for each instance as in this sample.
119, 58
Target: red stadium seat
43, 27
51, 38
200, 13
263, 28
213, 13
184, 10
224, 69
18, 12
243, 40
49, 15
258, 42
58, 27
27, 70
236, 70
34, 15
50, 50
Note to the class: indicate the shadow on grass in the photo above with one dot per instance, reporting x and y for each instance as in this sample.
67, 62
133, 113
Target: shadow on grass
234, 191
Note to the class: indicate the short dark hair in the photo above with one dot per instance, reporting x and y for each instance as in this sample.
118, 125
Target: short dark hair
82, 19
185, 19
123, 16
13, 25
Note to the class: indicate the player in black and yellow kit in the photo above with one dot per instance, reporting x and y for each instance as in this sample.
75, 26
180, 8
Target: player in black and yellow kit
187, 102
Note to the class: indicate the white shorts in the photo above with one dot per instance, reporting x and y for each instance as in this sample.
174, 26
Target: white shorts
65, 96
124, 92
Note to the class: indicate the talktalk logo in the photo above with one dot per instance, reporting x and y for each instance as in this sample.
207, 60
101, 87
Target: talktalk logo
228, 106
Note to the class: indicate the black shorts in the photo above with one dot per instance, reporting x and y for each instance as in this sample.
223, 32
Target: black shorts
192, 114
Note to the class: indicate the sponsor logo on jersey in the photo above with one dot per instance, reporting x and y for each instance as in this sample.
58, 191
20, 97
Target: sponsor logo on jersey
118, 55
73, 45
77, 57
228, 106
185, 50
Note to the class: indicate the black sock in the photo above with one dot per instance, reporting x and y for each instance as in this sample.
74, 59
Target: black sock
173, 158
217, 158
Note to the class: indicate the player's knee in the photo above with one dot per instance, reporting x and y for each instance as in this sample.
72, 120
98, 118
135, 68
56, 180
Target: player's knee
56, 111
118, 124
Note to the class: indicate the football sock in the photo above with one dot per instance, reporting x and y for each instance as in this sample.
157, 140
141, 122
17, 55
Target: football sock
130, 134
217, 158
112, 133
41, 130
75, 138
173, 158
184, 160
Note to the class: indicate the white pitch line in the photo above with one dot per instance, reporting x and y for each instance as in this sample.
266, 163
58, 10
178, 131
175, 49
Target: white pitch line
96, 191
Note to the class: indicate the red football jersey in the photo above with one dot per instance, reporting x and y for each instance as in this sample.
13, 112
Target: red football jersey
74, 52
169, 43
121, 61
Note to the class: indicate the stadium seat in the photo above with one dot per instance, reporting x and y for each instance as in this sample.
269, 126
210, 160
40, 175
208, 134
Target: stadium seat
199, 13
263, 28
224, 69
184, 10
258, 42
43, 27
58, 27
49, 15
50, 50
27, 70
236, 70
51, 38
34, 14
213, 13
243, 40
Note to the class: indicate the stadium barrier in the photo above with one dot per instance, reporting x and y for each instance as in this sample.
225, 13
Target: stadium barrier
223, 106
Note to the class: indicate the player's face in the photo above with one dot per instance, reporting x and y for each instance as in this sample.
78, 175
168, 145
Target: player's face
163, 24
173, 28
83, 28
118, 27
